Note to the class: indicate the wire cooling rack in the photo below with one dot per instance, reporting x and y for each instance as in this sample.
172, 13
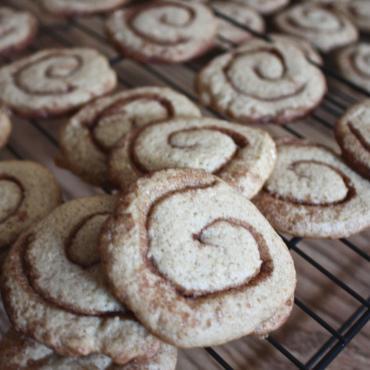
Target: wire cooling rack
332, 300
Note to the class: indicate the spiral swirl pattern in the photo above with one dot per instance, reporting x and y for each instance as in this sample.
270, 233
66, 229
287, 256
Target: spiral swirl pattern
61, 300
55, 81
28, 192
242, 156
262, 82
201, 247
313, 193
354, 63
163, 31
17, 30
323, 25
353, 135
88, 137
73, 7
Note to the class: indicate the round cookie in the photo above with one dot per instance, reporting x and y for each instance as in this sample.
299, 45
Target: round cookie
354, 64
262, 82
242, 156
80, 7
323, 25
308, 50
265, 7
353, 135
55, 81
190, 256
88, 137
28, 193
5, 127
168, 31
54, 291
313, 193
17, 30
243, 15
21, 353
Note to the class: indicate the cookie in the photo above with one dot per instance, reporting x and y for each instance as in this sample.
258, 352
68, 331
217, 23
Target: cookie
21, 353
353, 135
243, 15
242, 156
17, 30
168, 31
326, 27
265, 7
55, 293
5, 127
88, 137
313, 193
80, 7
262, 82
28, 192
358, 11
55, 81
190, 256
354, 64
308, 50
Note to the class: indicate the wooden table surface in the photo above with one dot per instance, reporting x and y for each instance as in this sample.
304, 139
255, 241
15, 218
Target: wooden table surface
302, 335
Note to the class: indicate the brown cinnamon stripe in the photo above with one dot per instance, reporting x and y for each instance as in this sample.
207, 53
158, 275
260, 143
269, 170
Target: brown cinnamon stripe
351, 190
135, 12
357, 133
5, 177
117, 106
240, 141
51, 73
196, 296
352, 58
226, 70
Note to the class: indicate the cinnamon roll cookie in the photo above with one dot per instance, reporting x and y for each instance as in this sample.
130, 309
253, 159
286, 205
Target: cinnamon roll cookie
167, 31
353, 136
325, 26
54, 290
89, 136
28, 192
313, 193
55, 81
80, 7
265, 7
5, 127
241, 156
190, 256
354, 64
21, 353
243, 15
17, 30
262, 82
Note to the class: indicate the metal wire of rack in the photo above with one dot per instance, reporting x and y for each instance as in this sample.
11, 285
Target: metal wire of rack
333, 105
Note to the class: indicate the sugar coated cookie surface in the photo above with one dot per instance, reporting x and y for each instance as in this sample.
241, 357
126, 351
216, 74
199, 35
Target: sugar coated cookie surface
265, 6
190, 255
55, 81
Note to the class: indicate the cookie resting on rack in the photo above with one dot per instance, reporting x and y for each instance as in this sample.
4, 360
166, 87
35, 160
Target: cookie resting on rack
80, 7
54, 291
243, 15
353, 136
242, 156
55, 81
323, 25
21, 353
89, 136
28, 192
313, 193
17, 30
262, 82
168, 31
190, 256
354, 64
5, 127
